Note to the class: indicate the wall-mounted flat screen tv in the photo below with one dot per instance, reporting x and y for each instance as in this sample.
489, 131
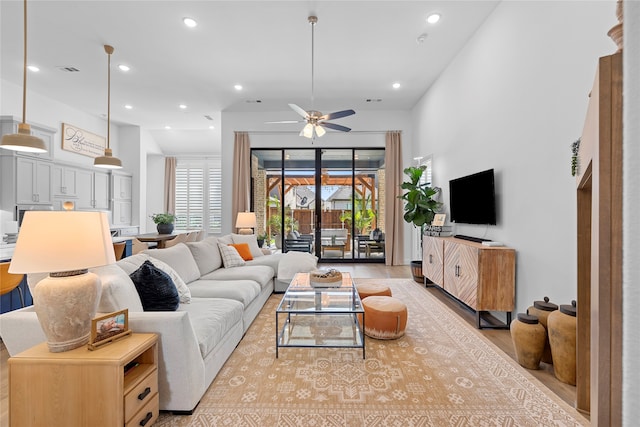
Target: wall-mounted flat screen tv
472, 199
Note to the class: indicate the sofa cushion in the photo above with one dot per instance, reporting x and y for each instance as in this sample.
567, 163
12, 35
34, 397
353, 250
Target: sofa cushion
244, 291
132, 263
180, 259
206, 254
230, 256
261, 274
243, 250
270, 260
118, 291
156, 289
211, 319
251, 240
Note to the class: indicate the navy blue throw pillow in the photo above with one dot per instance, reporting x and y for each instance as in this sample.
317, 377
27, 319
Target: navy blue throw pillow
156, 289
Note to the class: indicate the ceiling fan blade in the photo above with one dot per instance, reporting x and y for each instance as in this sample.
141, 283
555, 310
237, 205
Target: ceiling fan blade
337, 115
334, 126
286, 121
299, 110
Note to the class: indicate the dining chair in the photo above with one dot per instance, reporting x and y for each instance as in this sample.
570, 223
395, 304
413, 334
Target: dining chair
180, 238
10, 281
138, 246
118, 249
192, 236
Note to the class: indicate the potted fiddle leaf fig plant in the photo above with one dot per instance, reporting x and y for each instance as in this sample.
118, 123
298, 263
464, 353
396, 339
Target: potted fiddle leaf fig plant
164, 222
419, 208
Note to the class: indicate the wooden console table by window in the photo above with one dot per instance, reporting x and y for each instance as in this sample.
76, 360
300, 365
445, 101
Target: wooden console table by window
86, 388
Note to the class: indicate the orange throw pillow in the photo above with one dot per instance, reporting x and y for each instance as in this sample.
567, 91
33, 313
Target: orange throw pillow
244, 250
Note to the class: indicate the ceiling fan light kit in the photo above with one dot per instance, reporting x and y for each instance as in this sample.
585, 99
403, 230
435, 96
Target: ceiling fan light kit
316, 122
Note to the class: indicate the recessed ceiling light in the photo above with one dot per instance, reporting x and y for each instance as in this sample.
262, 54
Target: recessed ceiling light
33, 68
189, 22
433, 18
128, 107
238, 87
182, 106
396, 85
212, 127
167, 127
123, 67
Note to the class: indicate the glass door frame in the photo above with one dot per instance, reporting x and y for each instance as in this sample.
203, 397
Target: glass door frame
317, 215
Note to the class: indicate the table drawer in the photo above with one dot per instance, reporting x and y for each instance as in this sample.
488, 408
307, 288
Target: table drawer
148, 415
141, 394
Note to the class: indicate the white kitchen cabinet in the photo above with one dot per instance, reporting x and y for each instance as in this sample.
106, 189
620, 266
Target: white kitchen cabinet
33, 181
65, 182
121, 190
92, 190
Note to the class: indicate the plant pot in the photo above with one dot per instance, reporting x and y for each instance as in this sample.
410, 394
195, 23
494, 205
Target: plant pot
416, 271
260, 242
165, 228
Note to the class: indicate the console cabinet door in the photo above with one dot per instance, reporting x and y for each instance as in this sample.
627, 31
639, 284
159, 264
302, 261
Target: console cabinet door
432, 259
461, 272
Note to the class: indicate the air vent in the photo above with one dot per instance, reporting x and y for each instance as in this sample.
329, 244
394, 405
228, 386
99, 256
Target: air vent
253, 101
208, 117
68, 69
374, 100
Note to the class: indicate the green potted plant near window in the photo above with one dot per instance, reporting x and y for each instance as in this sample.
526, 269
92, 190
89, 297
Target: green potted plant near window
419, 208
261, 238
164, 222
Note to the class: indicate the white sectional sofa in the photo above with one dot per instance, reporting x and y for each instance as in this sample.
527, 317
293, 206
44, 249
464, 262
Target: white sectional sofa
217, 306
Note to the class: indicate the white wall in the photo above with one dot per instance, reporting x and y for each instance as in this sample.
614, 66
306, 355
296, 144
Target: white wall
368, 130
631, 249
513, 100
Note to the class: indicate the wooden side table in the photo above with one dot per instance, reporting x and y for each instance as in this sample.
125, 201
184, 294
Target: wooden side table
86, 388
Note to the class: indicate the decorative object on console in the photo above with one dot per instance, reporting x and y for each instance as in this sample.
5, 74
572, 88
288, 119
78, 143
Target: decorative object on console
64, 244
325, 278
23, 140
108, 161
164, 222
438, 219
246, 222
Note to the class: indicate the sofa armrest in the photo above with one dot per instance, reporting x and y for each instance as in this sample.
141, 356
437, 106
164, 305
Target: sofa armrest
181, 371
20, 330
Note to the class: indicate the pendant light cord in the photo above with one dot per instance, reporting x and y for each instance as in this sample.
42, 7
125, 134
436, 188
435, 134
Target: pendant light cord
109, 100
24, 68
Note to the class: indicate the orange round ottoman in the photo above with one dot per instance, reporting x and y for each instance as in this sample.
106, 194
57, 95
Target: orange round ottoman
385, 317
373, 289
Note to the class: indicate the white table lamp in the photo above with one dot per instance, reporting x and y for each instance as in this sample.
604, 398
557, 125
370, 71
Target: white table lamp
65, 245
246, 222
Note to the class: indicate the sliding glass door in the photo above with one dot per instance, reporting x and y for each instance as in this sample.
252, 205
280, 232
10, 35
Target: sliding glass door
323, 201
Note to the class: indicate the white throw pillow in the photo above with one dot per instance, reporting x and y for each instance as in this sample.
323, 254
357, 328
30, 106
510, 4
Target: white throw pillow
179, 257
206, 254
252, 240
230, 256
132, 263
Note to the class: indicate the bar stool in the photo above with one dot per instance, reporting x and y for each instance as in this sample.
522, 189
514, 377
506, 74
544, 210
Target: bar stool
10, 281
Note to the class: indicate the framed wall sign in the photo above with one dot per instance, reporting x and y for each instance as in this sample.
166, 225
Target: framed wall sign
82, 142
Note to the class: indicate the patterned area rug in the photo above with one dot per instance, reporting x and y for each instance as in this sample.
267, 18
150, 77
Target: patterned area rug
441, 373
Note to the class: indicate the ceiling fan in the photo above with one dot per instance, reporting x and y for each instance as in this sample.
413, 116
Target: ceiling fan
316, 121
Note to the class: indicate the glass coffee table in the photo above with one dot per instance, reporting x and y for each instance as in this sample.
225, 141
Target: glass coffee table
320, 316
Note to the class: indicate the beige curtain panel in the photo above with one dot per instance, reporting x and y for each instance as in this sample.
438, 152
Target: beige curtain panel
241, 175
394, 226
170, 184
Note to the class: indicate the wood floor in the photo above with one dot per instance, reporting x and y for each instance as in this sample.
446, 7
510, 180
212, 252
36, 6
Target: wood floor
501, 338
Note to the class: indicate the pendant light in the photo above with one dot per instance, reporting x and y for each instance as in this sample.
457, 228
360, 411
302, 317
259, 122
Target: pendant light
23, 140
108, 161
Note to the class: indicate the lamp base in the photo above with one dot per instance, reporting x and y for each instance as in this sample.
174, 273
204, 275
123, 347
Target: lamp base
65, 307
245, 231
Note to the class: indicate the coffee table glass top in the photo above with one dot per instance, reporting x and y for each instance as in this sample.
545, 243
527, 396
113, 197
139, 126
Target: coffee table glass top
320, 316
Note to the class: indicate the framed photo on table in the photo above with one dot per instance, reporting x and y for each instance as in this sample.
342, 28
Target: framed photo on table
438, 220
108, 328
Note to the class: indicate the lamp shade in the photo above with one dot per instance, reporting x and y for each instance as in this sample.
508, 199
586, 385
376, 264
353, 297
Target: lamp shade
51, 241
23, 141
246, 220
